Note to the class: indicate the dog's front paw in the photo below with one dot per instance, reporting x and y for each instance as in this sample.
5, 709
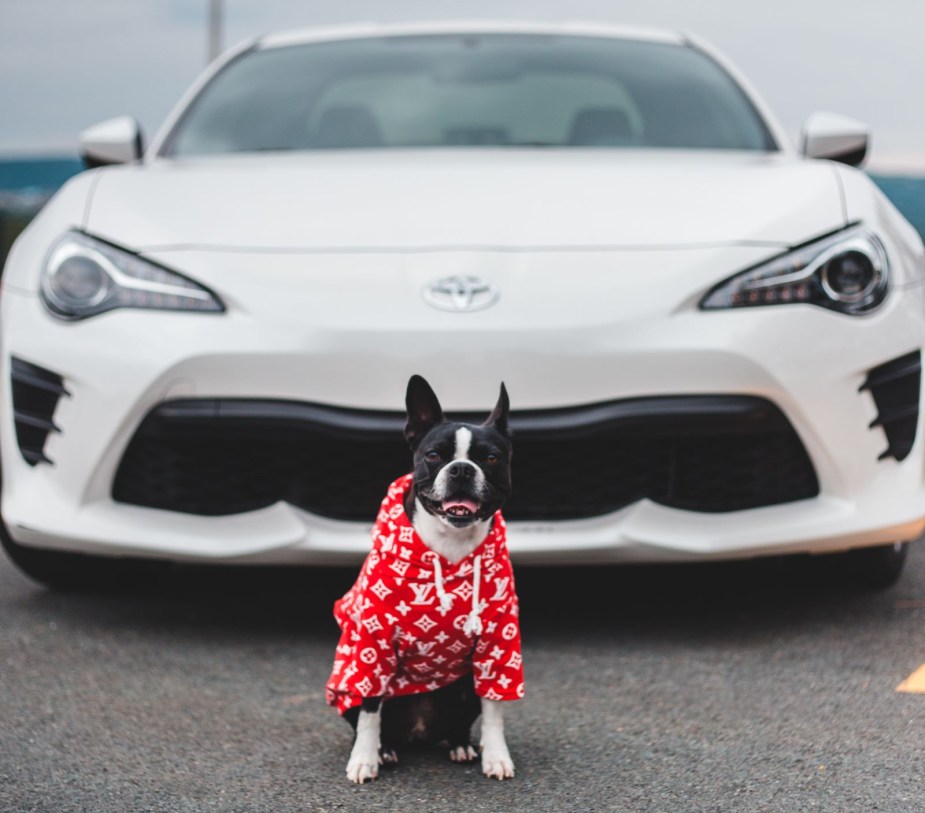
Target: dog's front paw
361, 768
497, 763
364, 761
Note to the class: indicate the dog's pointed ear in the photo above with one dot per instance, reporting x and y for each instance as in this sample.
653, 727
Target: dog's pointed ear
424, 411
499, 415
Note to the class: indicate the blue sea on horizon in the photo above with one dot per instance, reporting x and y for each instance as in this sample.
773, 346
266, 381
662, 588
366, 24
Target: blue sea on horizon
43, 175
37, 173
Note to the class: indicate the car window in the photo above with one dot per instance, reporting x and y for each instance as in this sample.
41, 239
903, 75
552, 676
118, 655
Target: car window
469, 91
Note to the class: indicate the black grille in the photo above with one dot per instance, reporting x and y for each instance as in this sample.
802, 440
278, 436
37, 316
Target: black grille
36, 392
895, 387
702, 453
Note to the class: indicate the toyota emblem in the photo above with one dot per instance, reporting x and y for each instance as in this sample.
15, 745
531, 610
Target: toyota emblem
460, 293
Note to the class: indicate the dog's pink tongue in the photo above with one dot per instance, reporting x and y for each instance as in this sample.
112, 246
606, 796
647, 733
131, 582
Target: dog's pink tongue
469, 505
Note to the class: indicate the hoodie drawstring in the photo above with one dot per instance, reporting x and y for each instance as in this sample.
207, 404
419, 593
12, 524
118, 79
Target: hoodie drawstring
473, 625
473, 622
446, 600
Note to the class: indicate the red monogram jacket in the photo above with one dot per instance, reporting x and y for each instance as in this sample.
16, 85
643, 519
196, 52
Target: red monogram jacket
413, 622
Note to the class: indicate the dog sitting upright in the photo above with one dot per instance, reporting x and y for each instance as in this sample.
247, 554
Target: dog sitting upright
429, 632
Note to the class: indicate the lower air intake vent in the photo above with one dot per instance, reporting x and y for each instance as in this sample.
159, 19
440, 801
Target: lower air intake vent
36, 392
895, 388
699, 453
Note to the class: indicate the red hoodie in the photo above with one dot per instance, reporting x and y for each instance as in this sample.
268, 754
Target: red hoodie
413, 622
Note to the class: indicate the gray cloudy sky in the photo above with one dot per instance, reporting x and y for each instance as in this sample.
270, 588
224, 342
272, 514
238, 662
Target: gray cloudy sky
66, 64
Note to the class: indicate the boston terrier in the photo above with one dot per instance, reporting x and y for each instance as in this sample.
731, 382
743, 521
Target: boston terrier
429, 631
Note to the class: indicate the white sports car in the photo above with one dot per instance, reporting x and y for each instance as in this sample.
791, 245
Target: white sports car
711, 339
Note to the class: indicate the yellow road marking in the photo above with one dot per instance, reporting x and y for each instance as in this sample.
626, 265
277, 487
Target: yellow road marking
914, 683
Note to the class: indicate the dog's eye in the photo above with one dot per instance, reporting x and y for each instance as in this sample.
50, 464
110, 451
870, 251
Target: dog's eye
492, 458
432, 456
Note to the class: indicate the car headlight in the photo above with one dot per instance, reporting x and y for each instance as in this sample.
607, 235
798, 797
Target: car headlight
847, 272
84, 276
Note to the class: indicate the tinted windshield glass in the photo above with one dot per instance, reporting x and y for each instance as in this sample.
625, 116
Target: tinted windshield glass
470, 91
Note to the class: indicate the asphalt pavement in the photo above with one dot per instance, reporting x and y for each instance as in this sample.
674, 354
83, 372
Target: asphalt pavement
764, 686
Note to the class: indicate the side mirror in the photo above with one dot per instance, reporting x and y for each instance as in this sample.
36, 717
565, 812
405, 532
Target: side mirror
115, 141
835, 137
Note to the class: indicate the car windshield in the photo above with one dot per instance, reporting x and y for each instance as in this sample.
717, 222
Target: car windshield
469, 90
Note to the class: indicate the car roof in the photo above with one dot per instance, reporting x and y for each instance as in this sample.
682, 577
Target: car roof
375, 29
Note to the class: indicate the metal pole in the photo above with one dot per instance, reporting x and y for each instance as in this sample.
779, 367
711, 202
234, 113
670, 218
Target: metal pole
216, 12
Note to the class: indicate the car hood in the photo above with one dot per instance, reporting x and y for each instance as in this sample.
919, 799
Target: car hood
443, 199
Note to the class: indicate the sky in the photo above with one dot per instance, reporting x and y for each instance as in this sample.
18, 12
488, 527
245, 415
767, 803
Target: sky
68, 64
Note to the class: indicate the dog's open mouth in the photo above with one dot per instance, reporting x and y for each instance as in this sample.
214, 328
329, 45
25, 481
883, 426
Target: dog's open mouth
459, 511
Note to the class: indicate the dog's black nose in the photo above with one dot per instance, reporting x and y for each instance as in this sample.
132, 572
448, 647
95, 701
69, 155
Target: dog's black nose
460, 471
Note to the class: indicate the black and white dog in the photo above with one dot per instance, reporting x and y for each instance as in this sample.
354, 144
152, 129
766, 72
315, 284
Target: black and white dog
430, 636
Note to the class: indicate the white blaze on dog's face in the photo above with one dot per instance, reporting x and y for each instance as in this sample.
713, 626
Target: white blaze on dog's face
456, 503
462, 472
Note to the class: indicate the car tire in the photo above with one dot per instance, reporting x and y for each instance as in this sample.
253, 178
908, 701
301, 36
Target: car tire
879, 567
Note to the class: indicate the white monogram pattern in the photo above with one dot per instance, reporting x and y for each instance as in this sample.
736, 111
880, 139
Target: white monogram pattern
425, 623
380, 590
423, 592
